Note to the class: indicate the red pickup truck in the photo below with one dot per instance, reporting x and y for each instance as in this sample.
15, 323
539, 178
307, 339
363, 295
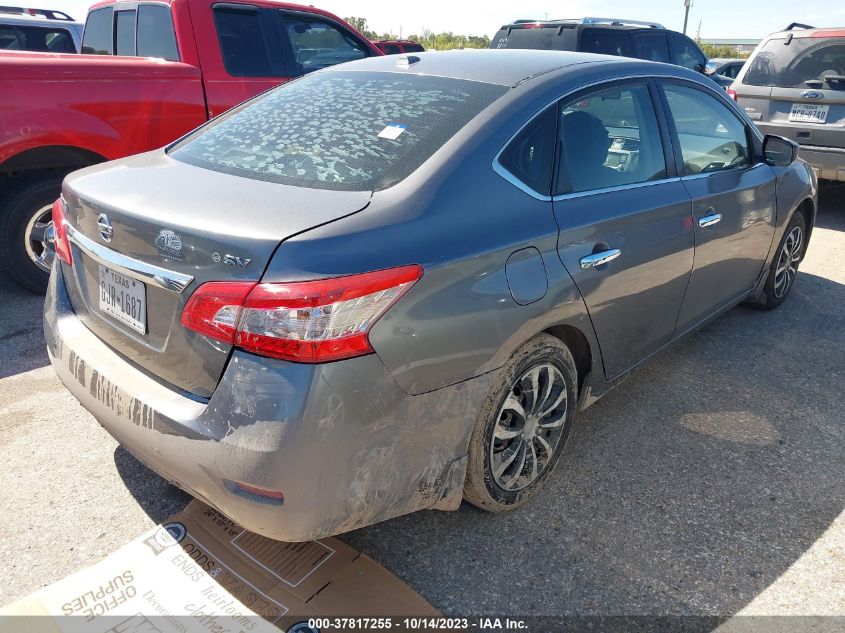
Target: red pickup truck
174, 64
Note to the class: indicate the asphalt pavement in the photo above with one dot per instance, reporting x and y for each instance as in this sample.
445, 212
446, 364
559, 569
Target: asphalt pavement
712, 481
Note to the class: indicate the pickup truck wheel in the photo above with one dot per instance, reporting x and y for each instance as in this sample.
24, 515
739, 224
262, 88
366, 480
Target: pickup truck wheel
26, 252
522, 426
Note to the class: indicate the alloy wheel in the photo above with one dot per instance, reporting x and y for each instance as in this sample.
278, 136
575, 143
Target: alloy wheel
38, 238
788, 259
529, 427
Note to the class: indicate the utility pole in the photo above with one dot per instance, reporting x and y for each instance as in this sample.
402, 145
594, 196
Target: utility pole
687, 4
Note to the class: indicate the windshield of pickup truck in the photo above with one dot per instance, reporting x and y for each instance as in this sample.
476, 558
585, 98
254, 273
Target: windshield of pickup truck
358, 131
819, 61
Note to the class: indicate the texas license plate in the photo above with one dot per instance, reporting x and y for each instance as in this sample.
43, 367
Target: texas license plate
124, 299
808, 113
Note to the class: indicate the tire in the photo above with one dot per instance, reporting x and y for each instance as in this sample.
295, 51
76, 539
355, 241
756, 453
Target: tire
20, 209
774, 293
492, 483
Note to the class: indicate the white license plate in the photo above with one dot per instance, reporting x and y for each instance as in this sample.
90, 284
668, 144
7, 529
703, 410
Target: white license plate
124, 299
808, 113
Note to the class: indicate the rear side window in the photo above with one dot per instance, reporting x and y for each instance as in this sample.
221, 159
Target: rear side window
711, 137
156, 35
799, 63
357, 131
414, 48
558, 38
685, 53
391, 49
124, 31
31, 38
654, 47
97, 38
610, 138
318, 44
606, 42
244, 34
530, 155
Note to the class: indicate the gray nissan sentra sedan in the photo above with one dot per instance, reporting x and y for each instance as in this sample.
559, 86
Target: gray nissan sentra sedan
391, 285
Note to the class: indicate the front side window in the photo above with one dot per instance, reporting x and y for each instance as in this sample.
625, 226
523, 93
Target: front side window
608, 139
156, 35
358, 131
318, 44
606, 42
799, 62
685, 53
124, 32
711, 137
97, 38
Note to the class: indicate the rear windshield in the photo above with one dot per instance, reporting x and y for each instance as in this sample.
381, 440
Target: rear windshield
792, 64
557, 38
358, 131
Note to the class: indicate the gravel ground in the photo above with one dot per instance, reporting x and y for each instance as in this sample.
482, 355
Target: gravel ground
711, 482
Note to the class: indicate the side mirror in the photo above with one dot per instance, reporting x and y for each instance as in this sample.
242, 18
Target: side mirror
779, 151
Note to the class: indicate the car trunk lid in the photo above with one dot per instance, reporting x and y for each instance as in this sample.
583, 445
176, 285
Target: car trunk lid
148, 230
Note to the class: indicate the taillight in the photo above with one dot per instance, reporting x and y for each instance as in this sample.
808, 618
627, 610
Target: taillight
60, 240
731, 93
308, 321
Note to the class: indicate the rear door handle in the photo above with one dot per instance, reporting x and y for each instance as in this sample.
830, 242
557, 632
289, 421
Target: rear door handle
710, 219
597, 259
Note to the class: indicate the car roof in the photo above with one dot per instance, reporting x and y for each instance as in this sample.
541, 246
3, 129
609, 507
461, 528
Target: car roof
505, 67
35, 20
810, 32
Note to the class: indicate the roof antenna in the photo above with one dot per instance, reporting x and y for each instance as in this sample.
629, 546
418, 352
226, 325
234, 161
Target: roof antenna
407, 60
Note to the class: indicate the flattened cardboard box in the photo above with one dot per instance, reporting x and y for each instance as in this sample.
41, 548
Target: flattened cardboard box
199, 571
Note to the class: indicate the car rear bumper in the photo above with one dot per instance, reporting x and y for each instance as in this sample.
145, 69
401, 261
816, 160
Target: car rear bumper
341, 441
828, 163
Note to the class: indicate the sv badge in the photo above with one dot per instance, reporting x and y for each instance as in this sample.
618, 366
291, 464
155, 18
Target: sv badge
231, 260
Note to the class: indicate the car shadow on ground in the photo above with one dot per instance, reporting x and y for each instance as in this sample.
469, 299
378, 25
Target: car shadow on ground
22, 345
687, 490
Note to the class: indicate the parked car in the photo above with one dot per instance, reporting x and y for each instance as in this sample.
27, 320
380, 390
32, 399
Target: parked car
725, 67
371, 292
397, 47
606, 36
59, 113
23, 29
794, 85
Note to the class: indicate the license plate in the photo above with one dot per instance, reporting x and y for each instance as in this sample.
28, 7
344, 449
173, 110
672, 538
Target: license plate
808, 113
124, 299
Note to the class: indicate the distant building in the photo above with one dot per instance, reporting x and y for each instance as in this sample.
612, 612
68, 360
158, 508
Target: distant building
742, 46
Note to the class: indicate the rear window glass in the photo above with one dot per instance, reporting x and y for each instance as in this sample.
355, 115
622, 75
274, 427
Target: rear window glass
557, 38
97, 38
125, 32
606, 42
821, 62
30, 38
339, 130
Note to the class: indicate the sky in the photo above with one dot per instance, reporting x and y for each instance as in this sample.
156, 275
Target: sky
718, 18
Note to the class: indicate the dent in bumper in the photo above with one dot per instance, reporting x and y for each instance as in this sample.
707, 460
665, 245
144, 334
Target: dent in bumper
342, 441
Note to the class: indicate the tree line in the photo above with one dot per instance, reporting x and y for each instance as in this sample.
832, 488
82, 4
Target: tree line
428, 39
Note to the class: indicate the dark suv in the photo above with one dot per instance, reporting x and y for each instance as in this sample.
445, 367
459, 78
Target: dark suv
607, 36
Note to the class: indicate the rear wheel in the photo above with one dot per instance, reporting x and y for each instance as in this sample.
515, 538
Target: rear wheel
785, 264
523, 426
26, 252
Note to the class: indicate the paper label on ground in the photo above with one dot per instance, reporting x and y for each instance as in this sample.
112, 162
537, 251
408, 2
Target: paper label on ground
150, 585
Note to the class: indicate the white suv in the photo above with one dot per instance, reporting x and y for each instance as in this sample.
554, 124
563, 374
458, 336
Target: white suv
23, 29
